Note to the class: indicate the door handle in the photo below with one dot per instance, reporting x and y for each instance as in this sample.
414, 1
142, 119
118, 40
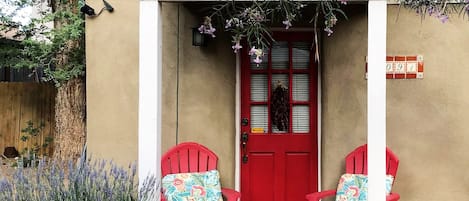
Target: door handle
244, 142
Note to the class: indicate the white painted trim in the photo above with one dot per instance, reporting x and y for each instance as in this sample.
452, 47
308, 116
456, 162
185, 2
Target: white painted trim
238, 124
377, 20
149, 107
319, 130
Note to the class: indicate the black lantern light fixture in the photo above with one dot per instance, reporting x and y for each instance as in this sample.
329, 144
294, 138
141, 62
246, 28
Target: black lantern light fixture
88, 10
198, 39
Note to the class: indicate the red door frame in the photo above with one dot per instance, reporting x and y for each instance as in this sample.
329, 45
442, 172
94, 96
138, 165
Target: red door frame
312, 103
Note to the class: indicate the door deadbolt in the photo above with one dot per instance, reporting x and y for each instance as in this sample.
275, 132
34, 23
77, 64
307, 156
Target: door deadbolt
245, 122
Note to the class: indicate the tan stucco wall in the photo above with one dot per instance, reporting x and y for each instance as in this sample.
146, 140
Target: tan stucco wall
425, 118
112, 82
205, 109
206, 88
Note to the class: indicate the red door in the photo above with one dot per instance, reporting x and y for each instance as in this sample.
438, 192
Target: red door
279, 121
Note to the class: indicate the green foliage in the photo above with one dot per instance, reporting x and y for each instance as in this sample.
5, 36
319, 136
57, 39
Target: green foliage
30, 132
59, 51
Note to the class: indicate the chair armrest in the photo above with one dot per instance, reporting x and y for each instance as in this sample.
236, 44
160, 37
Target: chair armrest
230, 194
393, 197
319, 195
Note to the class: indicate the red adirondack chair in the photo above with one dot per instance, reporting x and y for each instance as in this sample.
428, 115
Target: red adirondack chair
192, 157
356, 163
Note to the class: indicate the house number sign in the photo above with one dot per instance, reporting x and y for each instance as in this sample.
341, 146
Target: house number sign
402, 67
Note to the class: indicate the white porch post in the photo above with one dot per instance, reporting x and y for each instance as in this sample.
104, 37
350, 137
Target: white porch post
377, 20
149, 110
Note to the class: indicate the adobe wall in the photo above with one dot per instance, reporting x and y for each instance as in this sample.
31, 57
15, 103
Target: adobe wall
112, 48
199, 105
426, 118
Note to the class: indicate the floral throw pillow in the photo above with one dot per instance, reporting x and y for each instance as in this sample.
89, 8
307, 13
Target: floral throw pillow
354, 187
199, 186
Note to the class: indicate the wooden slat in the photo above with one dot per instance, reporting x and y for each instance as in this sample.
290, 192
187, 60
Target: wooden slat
21, 102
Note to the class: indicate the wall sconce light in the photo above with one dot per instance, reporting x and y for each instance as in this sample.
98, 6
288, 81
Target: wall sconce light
88, 10
198, 39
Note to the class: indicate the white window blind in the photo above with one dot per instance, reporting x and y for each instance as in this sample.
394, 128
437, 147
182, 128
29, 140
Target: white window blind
300, 54
259, 117
300, 87
280, 55
258, 87
300, 121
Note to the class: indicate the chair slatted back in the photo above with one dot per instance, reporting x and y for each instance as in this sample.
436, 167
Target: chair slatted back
188, 157
356, 161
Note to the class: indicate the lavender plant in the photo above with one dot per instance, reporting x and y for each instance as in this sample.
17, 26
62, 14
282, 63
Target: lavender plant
87, 180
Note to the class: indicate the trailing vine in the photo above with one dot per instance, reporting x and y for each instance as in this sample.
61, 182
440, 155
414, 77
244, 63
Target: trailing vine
251, 21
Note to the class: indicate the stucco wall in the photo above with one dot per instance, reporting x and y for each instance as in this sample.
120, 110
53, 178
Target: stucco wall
199, 105
112, 81
425, 118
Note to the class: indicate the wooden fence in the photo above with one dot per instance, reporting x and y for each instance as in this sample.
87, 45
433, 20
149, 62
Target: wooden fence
21, 102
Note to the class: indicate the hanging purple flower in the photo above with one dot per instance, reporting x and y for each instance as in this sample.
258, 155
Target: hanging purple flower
443, 18
236, 47
287, 23
430, 11
328, 31
252, 51
258, 53
207, 28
